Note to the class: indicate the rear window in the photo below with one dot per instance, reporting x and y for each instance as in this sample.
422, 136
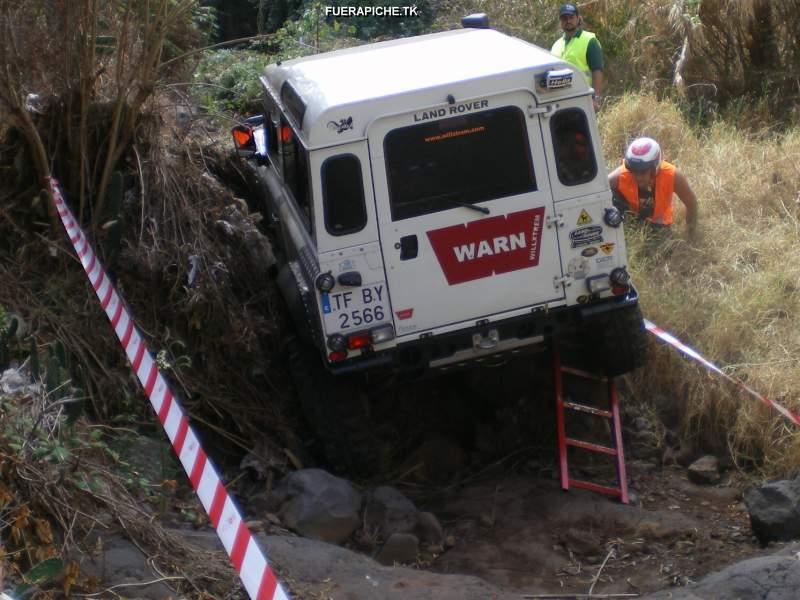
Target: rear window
575, 162
343, 195
473, 158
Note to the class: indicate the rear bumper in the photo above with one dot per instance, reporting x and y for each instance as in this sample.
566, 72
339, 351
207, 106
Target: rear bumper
486, 342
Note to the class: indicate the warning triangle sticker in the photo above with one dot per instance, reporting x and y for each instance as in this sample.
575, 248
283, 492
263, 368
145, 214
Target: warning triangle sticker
584, 218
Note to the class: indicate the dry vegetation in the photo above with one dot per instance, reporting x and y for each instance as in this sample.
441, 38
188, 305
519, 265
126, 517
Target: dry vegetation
733, 294
714, 54
92, 80
187, 256
726, 118
62, 488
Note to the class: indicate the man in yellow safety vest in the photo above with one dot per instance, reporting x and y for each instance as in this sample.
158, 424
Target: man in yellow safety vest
580, 48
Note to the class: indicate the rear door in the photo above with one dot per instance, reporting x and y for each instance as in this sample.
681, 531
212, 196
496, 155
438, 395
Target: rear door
463, 202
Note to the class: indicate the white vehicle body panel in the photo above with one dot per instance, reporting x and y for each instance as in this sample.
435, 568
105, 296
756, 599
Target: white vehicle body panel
353, 308
463, 271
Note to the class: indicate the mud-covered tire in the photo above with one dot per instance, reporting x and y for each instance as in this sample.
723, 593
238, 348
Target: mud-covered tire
615, 342
337, 411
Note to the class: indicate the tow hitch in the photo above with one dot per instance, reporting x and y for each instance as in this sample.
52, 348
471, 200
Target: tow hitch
485, 342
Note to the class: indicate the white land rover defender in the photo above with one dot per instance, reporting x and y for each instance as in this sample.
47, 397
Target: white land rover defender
440, 200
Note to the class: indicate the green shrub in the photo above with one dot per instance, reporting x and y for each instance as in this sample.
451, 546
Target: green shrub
229, 80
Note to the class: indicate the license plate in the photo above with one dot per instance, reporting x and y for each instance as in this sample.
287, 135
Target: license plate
359, 308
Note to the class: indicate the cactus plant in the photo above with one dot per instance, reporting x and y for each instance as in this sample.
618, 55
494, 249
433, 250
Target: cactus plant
57, 376
52, 379
36, 368
62, 355
7, 332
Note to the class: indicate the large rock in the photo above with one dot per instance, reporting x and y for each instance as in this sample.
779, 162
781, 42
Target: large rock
774, 577
704, 470
123, 566
775, 510
400, 548
333, 572
318, 505
388, 511
429, 530
313, 569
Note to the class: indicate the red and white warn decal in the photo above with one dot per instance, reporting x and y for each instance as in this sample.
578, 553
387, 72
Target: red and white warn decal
489, 246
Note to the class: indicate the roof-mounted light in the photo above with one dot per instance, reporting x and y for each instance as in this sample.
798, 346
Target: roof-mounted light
556, 79
475, 21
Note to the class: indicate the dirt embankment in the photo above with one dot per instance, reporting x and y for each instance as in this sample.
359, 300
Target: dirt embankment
474, 448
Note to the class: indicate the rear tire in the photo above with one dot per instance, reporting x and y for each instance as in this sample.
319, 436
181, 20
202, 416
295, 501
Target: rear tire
616, 342
337, 410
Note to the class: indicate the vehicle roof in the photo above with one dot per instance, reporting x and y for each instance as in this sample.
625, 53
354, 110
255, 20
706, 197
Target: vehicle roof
359, 82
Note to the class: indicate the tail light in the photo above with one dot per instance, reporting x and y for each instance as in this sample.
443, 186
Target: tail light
337, 356
325, 282
243, 137
362, 339
620, 281
337, 342
620, 277
339, 345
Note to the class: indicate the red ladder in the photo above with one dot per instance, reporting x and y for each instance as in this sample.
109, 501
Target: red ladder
616, 450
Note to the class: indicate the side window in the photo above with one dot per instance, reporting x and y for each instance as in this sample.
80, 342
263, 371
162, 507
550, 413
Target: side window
572, 144
293, 103
343, 195
294, 161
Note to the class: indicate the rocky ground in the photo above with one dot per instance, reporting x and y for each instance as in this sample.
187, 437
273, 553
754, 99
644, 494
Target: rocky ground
506, 530
473, 511
508, 535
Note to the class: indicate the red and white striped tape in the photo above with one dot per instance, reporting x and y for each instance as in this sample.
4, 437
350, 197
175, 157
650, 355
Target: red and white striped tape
247, 557
692, 353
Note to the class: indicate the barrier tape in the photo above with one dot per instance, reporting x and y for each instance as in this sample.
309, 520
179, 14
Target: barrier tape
247, 557
694, 354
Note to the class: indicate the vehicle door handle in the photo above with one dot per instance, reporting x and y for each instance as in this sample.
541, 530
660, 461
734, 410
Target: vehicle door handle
408, 247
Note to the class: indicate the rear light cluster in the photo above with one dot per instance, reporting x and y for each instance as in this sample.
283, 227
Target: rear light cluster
620, 281
340, 344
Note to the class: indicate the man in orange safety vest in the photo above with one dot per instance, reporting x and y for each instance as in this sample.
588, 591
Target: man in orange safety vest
644, 184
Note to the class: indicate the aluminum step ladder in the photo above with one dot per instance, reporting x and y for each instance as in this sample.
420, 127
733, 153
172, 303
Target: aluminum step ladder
564, 442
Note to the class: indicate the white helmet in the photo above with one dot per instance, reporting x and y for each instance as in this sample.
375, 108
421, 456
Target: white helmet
643, 154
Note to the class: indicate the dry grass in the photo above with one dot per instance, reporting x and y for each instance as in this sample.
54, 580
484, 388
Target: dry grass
640, 38
94, 77
733, 294
63, 492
